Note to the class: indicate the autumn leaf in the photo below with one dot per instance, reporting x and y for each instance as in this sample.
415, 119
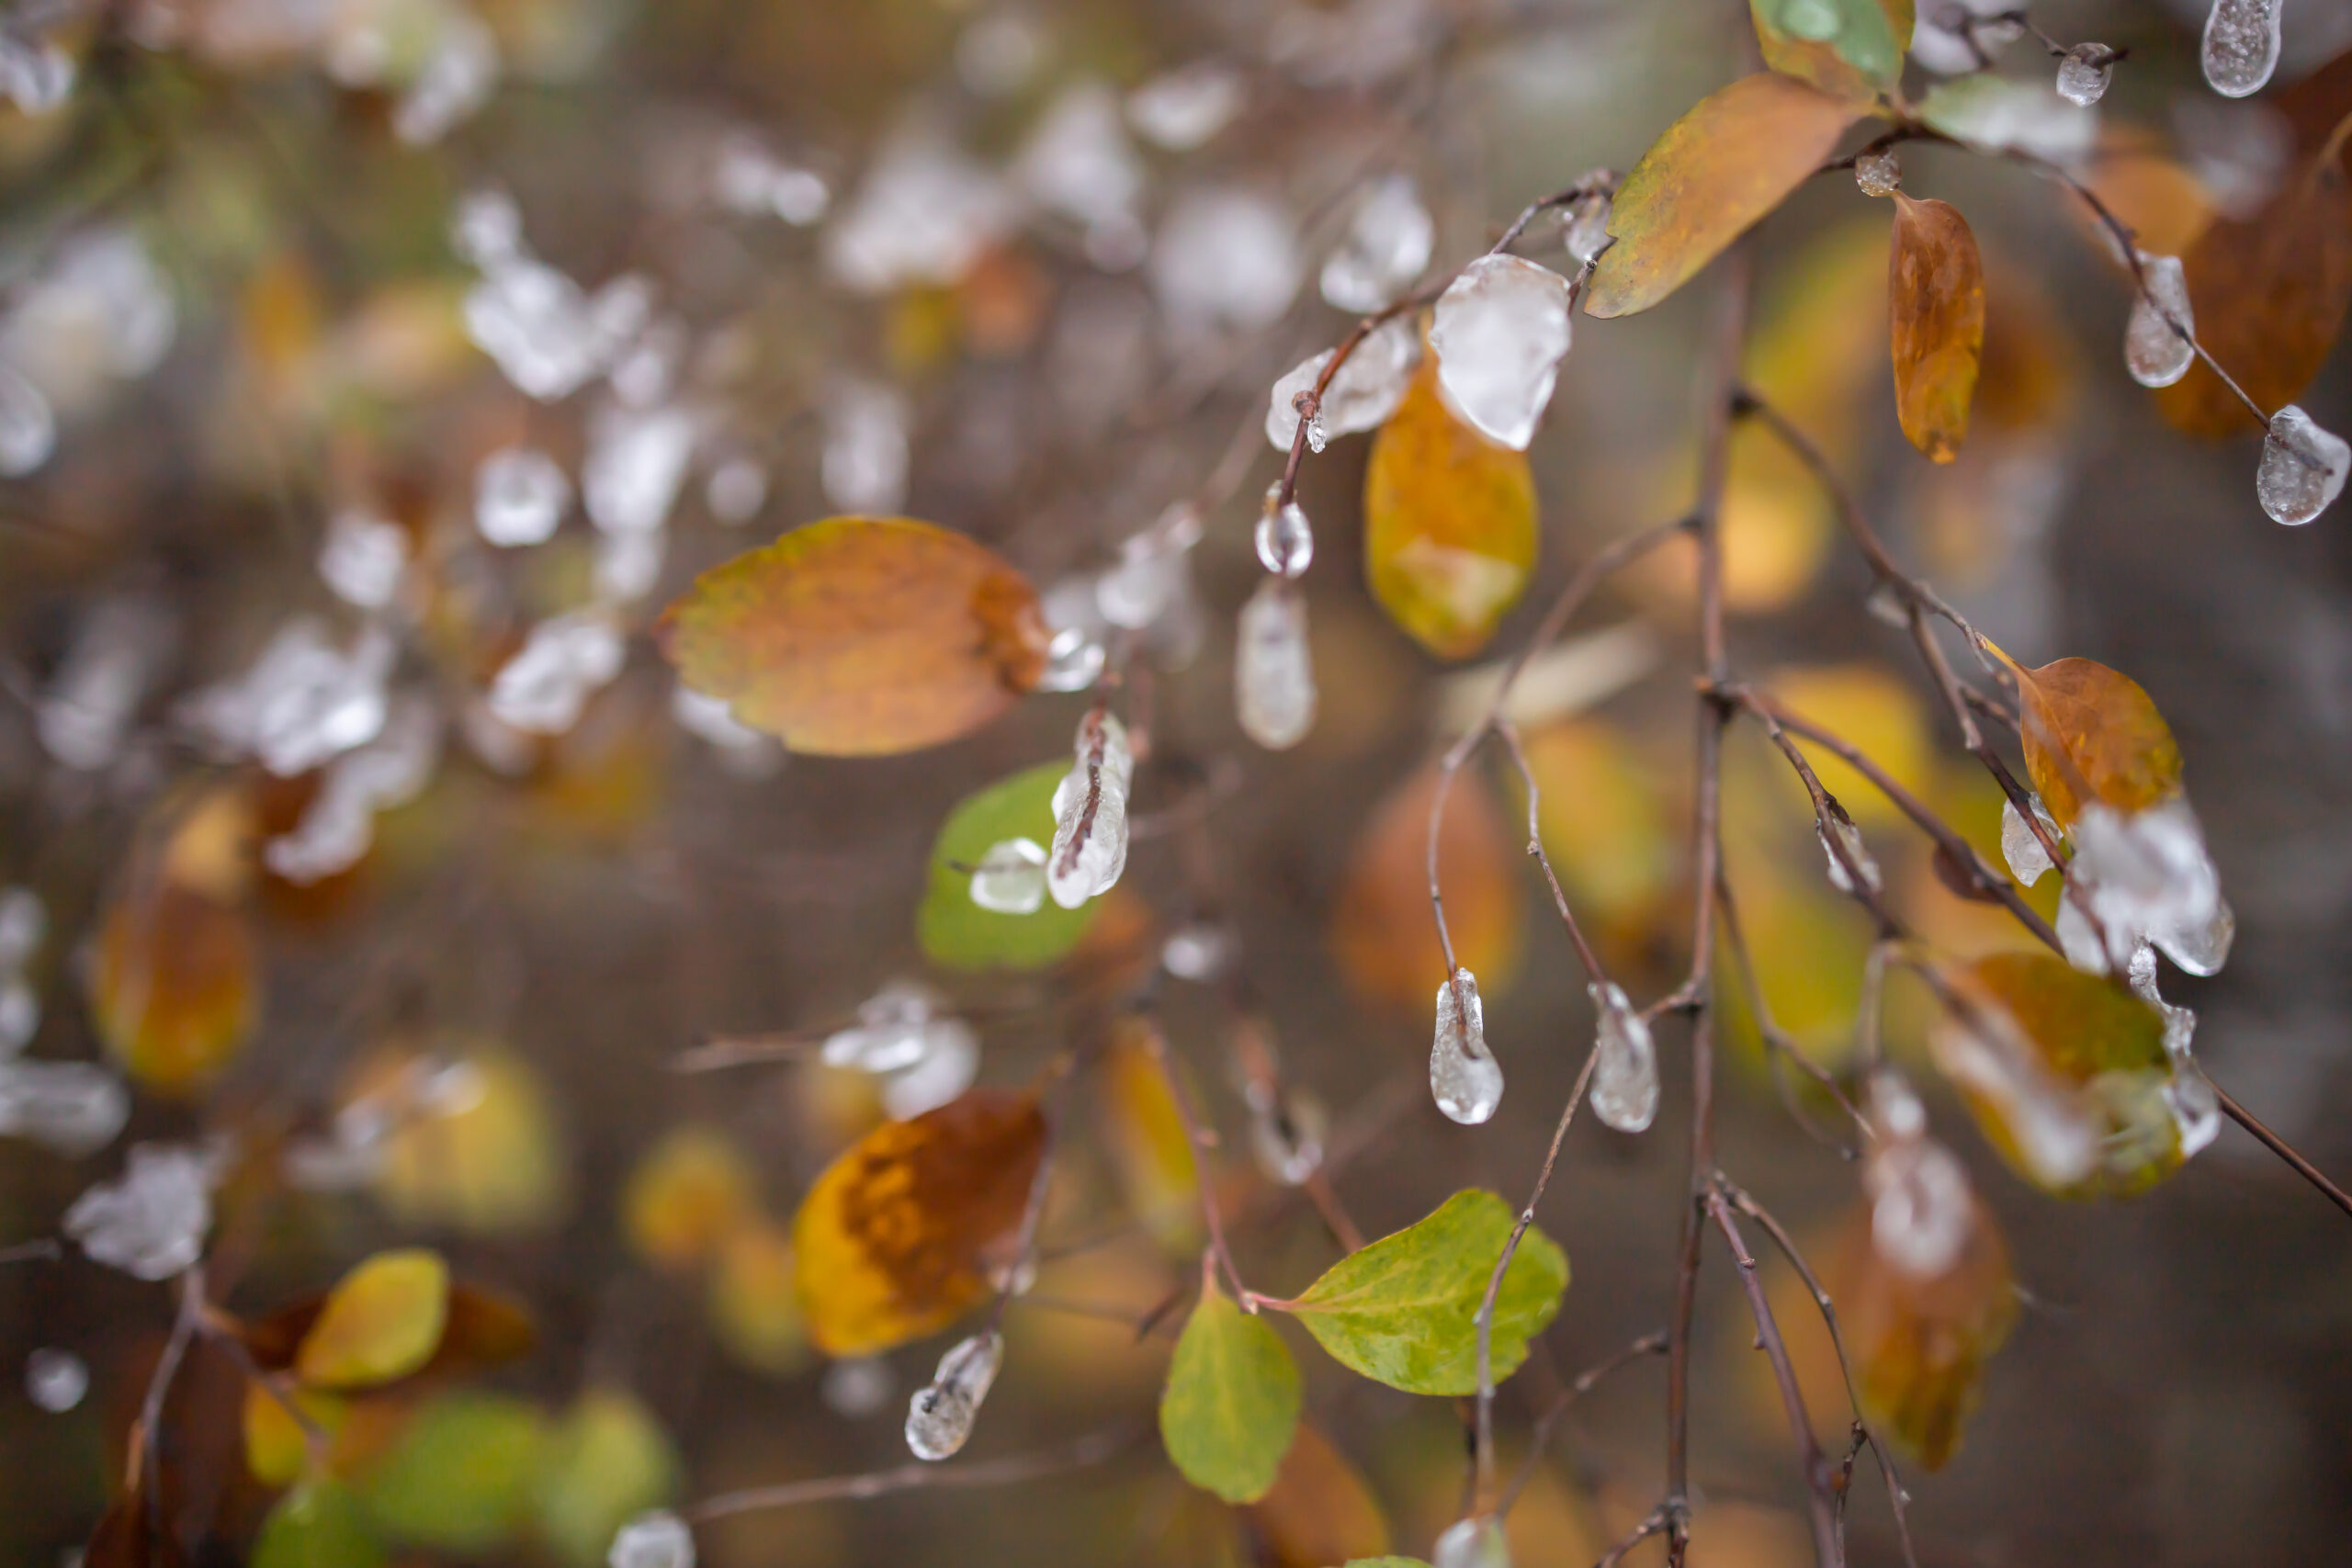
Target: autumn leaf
889, 1241
1144, 1131
2091, 734
754, 1300
1232, 1400
1380, 930
276, 1447
960, 934
686, 1195
490, 1165
1403, 1311
458, 1477
859, 637
605, 1461
1450, 532
2269, 292
1604, 824
1851, 48
381, 1323
1320, 1510
318, 1525
1721, 167
1935, 287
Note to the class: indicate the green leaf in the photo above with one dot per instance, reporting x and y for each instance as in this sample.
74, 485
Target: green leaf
1231, 1404
959, 934
609, 1461
460, 1477
1404, 1311
320, 1525
1851, 48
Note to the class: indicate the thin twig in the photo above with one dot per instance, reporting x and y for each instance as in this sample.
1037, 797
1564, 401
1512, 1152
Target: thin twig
1090, 1450
1647, 1345
2282, 1148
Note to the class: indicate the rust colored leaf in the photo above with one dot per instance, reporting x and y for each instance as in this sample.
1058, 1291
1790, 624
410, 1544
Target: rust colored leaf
889, 1242
2090, 733
1734, 158
1448, 520
1934, 301
1382, 933
1321, 1511
860, 637
126, 1537
2269, 294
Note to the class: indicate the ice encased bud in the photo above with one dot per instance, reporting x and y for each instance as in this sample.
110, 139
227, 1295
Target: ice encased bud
2156, 353
1499, 332
1284, 540
1848, 839
2302, 468
1475, 1542
1464, 1078
939, 1417
1624, 1073
2020, 846
152, 1221
1363, 391
2084, 73
1273, 667
1879, 173
1090, 848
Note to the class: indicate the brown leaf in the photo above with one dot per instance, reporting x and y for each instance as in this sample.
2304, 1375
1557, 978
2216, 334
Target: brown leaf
1935, 287
2269, 293
1320, 1510
2090, 733
483, 1329
126, 1537
888, 1243
860, 635
1381, 932
1721, 167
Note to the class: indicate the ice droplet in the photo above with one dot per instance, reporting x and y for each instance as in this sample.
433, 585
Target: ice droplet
543, 688
2156, 353
2241, 46
2022, 847
34, 75
2303, 467
303, 702
1273, 667
2079, 937
1089, 846
24, 920
1879, 173
1464, 1078
55, 1380
1011, 878
2143, 874
1587, 232
362, 558
1198, 950
636, 462
951, 1060
28, 427
1850, 840
892, 1030
1921, 1208
520, 494
2196, 1108
939, 1417
1499, 332
150, 1221
1364, 392
655, 1539
1226, 256
339, 824
1180, 109
857, 1386
1078, 162
1387, 246
1475, 1542
747, 178
74, 1108
2084, 73
736, 489
1153, 578
1287, 1136
2200, 948
1285, 539
864, 464
1624, 1079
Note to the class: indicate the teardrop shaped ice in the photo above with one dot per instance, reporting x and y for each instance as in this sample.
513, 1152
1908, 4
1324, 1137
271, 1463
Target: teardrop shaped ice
2022, 847
939, 1417
2241, 46
1464, 1078
520, 494
1586, 233
2084, 73
1285, 540
1273, 667
1921, 1208
1090, 847
1857, 853
2303, 467
1011, 878
1287, 1136
1625, 1075
2154, 352
1879, 172
1472, 1543
2200, 947
1499, 332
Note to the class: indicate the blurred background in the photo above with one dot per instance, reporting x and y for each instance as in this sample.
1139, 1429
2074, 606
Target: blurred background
372, 372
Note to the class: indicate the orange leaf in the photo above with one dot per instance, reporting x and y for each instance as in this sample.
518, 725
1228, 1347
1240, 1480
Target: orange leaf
1721, 167
860, 635
1381, 932
687, 1193
2269, 294
1145, 1132
1449, 520
1935, 287
2091, 734
381, 1322
1321, 1511
889, 1242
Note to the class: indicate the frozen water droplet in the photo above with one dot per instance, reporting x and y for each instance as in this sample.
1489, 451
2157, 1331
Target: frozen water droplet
1316, 436
35, 73
1587, 232
535, 323
656, 1539
152, 1221
19, 1014
864, 464
636, 462
1879, 173
55, 1380
1499, 332
1387, 244
24, 920
1624, 1079
1472, 1543
1850, 840
74, 1108
737, 489
2303, 467
2022, 847
362, 558
543, 688
939, 1417
857, 1386
1287, 1138
520, 494
2145, 873
1181, 109
28, 427
1078, 162
2201, 947
2079, 937
1464, 1078
1154, 572
1011, 878
1284, 538
487, 228
1226, 256
303, 702
1073, 661
2241, 46
951, 1060
338, 824
2154, 352
2084, 73
1089, 846
892, 1030
1273, 667
1364, 392
1198, 951
1922, 1210
923, 214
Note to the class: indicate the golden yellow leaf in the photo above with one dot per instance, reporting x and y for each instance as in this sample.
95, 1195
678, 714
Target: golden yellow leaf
1449, 531
860, 635
2160, 201
1728, 162
755, 1302
1146, 1139
489, 1165
888, 1243
277, 1448
2090, 733
1604, 823
1321, 1511
1874, 710
1935, 285
2027, 379
688, 1193
381, 1322
1381, 932
176, 989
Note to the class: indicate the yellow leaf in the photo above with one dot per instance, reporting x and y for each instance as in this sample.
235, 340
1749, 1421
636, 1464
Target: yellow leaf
860, 635
1935, 285
1147, 1144
1604, 821
1381, 932
381, 1323
1878, 714
686, 1195
754, 1300
277, 1448
889, 1241
491, 1164
1450, 532
1721, 167
2090, 733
